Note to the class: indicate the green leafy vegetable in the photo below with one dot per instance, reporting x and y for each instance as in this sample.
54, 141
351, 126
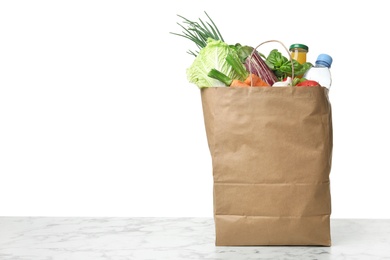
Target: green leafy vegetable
242, 51
281, 66
215, 55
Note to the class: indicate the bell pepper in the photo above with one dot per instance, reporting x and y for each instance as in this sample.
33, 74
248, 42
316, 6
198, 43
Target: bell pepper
308, 83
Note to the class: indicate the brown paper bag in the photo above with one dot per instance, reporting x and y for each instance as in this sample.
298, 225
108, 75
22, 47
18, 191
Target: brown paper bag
271, 152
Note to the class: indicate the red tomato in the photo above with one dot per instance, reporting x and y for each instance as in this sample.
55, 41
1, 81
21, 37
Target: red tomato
308, 83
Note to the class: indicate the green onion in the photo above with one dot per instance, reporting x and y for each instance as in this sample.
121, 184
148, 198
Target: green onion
198, 32
237, 66
216, 74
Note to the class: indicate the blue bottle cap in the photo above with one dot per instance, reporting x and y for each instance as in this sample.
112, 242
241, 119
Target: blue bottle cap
325, 60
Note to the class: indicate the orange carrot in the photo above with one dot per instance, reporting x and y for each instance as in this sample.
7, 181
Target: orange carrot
256, 81
238, 83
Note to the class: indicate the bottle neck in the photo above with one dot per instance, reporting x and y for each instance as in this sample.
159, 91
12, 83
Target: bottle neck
322, 64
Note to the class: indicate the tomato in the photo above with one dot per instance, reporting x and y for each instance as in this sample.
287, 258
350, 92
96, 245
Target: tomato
308, 83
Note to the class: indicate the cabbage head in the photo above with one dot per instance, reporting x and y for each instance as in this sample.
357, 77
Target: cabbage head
212, 56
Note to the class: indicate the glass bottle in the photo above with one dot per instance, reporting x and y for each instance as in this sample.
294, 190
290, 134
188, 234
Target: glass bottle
298, 52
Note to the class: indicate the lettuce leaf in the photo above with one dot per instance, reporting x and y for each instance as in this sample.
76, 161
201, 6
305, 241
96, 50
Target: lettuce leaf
212, 56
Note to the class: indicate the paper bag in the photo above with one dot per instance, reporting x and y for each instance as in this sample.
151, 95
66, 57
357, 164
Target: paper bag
271, 152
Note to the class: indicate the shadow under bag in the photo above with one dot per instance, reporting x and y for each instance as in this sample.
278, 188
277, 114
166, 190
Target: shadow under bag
271, 150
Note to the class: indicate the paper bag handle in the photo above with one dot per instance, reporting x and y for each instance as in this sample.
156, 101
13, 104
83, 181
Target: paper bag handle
289, 55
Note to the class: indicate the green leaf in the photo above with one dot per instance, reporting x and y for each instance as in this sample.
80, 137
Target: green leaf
244, 52
304, 67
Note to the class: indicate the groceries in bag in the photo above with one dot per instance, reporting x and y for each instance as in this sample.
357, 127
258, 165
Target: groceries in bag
221, 64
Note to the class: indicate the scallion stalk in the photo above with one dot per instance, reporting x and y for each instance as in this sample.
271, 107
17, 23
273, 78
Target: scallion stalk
216, 74
198, 32
237, 66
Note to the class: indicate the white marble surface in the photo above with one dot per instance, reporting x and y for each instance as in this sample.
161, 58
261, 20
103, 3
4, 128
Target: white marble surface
49, 238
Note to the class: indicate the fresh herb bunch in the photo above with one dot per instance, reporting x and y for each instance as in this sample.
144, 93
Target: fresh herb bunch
199, 32
281, 66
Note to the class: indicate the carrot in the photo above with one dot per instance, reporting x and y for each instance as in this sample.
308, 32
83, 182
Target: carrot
256, 81
238, 83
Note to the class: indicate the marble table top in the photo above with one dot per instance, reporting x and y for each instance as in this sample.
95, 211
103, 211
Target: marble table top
68, 238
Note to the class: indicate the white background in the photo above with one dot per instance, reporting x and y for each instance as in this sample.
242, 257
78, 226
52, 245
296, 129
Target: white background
97, 117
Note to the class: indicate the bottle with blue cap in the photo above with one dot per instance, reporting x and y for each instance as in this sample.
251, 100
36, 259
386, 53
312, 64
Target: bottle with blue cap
320, 72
